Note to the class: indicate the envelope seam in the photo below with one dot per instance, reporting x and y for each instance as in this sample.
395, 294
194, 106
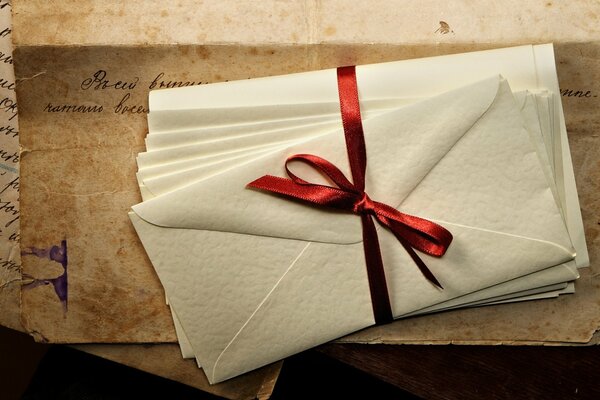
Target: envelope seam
569, 265
481, 302
566, 250
259, 307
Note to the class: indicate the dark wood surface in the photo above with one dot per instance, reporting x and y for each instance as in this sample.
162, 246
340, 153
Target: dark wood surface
19, 358
34, 371
479, 372
328, 372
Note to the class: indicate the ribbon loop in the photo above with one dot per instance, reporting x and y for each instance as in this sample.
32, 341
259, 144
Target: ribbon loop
411, 231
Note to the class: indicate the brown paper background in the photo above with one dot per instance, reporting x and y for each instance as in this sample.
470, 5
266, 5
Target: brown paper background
247, 22
114, 294
78, 170
10, 306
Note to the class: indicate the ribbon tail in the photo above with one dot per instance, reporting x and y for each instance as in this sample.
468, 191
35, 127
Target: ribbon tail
422, 266
380, 298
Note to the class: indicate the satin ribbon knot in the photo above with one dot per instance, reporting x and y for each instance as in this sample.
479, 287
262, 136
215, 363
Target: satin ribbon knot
364, 206
411, 231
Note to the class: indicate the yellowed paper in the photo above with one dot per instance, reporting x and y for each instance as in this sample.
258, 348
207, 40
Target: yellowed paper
71, 74
10, 269
163, 360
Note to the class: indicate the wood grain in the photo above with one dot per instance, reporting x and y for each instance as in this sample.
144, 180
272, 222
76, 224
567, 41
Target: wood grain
479, 372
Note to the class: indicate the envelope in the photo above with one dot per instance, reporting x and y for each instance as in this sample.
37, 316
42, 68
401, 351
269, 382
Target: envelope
525, 67
254, 278
171, 176
528, 67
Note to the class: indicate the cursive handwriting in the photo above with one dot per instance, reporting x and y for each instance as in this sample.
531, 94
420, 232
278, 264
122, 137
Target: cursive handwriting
124, 108
10, 265
158, 83
98, 81
8, 130
14, 185
7, 156
9, 159
5, 58
5, 84
65, 108
9, 105
10, 208
576, 93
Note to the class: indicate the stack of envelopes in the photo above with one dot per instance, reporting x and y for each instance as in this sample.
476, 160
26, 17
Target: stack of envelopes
475, 142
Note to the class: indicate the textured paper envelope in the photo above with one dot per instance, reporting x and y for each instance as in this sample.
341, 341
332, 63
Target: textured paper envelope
93, 154
158, 183
525, 67
167, 177
465, 183
515, 62
162, 179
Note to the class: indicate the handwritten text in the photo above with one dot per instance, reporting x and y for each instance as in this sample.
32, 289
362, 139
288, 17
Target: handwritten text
14, 185
124, 108
7, 156
75, 108
10, 208
8, 130
5, 84
576, 93
9, 105
10, 265
158, 83
98, 81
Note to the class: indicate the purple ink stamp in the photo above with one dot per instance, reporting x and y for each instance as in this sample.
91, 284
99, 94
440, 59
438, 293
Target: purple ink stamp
57, 254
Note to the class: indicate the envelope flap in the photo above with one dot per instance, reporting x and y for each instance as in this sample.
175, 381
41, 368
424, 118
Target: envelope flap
402, 146
322, 315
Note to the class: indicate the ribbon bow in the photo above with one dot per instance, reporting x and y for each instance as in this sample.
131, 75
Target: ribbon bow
412, 232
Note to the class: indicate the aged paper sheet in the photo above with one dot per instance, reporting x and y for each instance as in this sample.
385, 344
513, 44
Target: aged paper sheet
164, 360
10, 261
84, 100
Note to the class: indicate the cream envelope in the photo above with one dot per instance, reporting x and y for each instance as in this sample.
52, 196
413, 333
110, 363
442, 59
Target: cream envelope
543, 282
171, 176
254, 278
157, 184
162, 140
525, 67
173, 122
166, 177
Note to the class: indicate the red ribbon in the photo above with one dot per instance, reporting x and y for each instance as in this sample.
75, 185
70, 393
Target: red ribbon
411, 232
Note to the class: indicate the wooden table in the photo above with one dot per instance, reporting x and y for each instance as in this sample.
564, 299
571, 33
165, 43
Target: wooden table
479, 372
352, 371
